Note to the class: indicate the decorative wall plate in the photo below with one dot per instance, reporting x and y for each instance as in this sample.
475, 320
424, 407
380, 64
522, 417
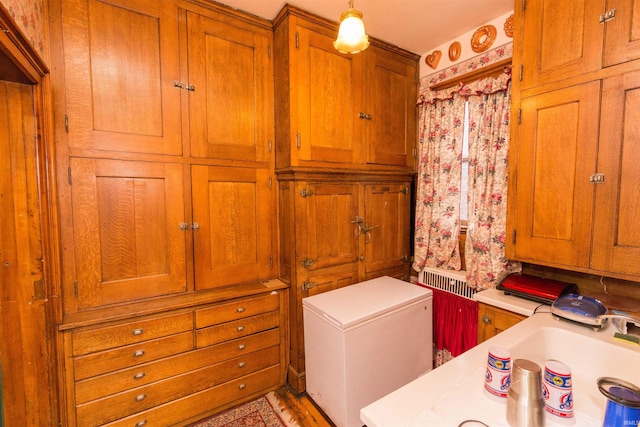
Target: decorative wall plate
483, 38
433, 59
454, 51
508, 26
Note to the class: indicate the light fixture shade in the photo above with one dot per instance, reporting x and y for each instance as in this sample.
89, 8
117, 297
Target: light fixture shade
351, 35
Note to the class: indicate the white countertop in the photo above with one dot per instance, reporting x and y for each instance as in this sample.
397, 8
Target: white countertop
508, 302
453, 392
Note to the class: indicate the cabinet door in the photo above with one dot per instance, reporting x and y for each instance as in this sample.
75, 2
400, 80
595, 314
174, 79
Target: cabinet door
329, 95
121, 60
391, 109
616, 241
560, 39
622, 34
555, 150
126, 231
231, 106
387, 219
233, 208
327, 230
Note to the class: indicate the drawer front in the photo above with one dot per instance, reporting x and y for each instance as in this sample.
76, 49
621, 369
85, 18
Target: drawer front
238, 328
237, 310
174, 412
123, 404
123, 357
126, 379
91, 340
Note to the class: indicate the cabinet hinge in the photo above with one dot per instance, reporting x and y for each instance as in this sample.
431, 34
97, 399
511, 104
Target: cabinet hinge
308, 262
185, 86
415, 153
269, 51
306, 193
270, 183
270, 146
75, 288
271, 262
298, 143
297, 40
607, 16
308, 285
513, 237
69, 175
519, 115
66, 123
596, 178
405, 190
521, 71
524, 4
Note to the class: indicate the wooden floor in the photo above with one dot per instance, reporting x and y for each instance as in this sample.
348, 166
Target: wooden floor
303, 409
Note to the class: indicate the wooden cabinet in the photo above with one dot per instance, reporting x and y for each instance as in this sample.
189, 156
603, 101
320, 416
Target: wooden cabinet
493, 320
562, 40
572, 186
337, 230
194, 361
341, 110
121, 60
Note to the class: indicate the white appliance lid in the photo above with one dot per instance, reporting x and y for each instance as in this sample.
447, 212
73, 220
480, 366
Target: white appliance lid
357, 303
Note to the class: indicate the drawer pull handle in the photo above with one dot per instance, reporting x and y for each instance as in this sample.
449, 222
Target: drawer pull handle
242, 386
240, 328
139, 376
242, 346
242, 364
140, 397
137, 332
141, 423
241, 309
138, 353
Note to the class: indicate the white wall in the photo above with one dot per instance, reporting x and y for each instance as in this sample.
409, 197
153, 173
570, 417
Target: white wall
466, 51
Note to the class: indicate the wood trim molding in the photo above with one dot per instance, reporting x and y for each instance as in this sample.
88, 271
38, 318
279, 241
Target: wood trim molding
492, 70
18, 50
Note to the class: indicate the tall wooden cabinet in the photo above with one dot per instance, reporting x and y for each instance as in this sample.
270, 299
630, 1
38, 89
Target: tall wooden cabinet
345, 138
167, 194
573, 189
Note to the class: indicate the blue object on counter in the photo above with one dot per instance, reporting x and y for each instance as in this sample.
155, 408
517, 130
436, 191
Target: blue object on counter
623, 402
580, 305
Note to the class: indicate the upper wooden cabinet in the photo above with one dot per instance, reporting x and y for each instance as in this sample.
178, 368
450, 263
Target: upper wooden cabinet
573, 185
121, 60
562, 40
230, 90
336, 110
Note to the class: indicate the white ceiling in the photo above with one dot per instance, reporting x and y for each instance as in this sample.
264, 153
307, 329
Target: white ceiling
415, 25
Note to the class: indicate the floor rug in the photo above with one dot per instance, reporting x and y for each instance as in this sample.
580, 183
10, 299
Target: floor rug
265, 411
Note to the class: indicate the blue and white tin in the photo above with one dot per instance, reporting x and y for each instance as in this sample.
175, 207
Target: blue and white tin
498, 374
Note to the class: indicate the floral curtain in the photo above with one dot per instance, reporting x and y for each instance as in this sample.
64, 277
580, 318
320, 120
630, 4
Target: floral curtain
488, 164
441, 119
438, 185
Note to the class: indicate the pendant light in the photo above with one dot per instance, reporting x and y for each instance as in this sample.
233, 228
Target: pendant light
351, 35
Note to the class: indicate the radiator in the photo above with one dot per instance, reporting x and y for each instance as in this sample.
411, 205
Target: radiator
451, 281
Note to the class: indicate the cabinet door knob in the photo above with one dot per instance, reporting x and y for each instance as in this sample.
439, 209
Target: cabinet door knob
486, 319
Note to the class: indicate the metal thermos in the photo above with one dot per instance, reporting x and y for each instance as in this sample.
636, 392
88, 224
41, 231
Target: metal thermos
525, 404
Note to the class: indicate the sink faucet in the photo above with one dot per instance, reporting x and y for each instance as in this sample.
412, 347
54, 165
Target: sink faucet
620, 320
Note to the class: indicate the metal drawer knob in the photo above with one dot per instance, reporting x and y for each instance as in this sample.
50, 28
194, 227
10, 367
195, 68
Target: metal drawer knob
140, 397
138, 353
242, 386
137, 332
141, 423
242, 347
242, 364
139, 376
241, 309
240, 328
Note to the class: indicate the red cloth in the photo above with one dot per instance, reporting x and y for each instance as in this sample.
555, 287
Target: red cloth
455, 322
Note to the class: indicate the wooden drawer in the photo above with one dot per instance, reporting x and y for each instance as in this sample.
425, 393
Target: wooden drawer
91, 340
123, 404
237, 309
238, 328
174, 412
130, 355
125, 379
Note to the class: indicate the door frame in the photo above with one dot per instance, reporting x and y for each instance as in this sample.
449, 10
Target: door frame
22, 64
